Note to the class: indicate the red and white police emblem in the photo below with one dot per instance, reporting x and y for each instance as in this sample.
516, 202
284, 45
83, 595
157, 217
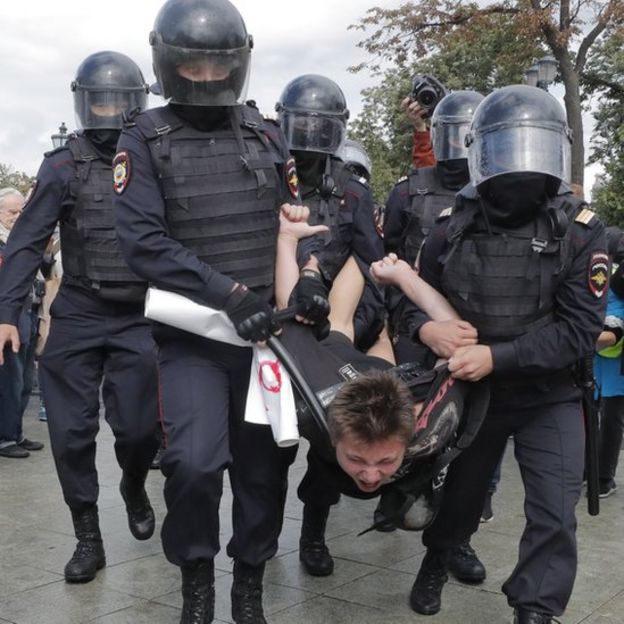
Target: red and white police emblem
291, 178
598, 273
121, 172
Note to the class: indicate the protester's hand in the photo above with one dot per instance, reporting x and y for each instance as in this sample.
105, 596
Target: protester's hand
310, 298
293, 222
390, 271
445, 337
8, 336
253, 318
471, 363
415, 113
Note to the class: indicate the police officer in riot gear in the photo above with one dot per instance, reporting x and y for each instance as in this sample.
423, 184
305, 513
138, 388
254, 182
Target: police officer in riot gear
525, 261
199, 185
312, 112
416, 201
356, 159
98, 334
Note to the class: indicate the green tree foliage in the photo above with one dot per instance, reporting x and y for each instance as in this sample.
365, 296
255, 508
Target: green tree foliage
17, 179
484, 45
604, 79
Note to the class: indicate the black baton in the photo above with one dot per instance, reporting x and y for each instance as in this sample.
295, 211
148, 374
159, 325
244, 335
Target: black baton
590, 414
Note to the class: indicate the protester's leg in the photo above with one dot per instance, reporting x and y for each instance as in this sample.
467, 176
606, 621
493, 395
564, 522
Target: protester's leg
549, 447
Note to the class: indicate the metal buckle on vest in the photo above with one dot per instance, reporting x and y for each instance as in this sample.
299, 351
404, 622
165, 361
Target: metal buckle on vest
422, 191
250, 124
160, 130
538, 244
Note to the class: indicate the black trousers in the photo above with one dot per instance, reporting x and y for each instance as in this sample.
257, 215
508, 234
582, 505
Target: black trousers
611, 428
95, 342
203, 387
549, 448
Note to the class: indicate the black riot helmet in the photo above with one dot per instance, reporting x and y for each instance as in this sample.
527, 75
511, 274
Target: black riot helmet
107, 84
201, 52
312, 112
519, 129
450, 124
355, 157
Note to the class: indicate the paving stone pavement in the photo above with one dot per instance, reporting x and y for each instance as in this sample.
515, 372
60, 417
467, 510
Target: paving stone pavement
370, 585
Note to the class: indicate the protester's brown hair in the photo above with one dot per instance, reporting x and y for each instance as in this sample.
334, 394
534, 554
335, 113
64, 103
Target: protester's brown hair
372, 407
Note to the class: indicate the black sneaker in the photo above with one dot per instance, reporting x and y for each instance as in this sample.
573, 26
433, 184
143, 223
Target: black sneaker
606, 488
487, 515
30, 445
14, 451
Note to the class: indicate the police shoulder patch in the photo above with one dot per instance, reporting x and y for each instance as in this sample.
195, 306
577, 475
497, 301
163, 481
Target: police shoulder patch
401, 179
585, 216
598, 273
121, 172
292, 180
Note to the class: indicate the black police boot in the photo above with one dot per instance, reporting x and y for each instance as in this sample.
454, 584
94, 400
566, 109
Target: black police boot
141, 519
88, 557
426, 594
313, 552
526, 616
247, 594
198, 593
463, 562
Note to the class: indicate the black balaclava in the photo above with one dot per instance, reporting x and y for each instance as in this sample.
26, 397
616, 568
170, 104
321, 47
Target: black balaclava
513, 199
204, 118
453, 173
104, 141
310, 167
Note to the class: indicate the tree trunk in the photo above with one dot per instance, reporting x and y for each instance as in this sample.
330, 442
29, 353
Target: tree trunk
572, 99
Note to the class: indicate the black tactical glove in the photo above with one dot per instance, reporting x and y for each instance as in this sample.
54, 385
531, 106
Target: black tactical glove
252, 317
310, 297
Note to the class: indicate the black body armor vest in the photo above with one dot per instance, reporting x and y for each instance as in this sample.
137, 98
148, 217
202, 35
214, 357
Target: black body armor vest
503, 281
327, 207
221, 190
428, 198
91, 252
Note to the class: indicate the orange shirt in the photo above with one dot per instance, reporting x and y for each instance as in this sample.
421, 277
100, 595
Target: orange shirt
422, 152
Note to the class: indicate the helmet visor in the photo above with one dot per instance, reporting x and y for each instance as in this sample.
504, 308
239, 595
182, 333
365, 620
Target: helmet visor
313, 132
541, 148
202, 77
449, 140
104, 108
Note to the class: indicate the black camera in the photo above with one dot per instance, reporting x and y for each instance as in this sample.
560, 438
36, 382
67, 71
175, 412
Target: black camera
427, 91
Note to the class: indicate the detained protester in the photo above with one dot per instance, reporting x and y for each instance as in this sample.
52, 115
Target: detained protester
98, 335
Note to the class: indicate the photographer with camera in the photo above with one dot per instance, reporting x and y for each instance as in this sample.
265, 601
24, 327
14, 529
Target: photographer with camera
418, 106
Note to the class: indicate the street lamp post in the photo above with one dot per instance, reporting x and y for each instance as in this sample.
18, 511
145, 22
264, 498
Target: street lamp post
60, 138
543, 73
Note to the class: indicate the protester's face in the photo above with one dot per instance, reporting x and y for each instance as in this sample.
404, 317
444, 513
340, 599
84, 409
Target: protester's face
370, 465
10, 208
